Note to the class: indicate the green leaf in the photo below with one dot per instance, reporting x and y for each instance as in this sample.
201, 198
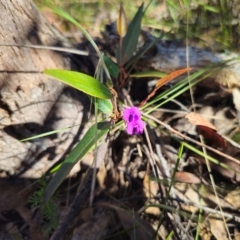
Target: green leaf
104, 105
131, 39
148, 74
140, 53
173, 9
94, 133
82, 82
111, 66
211, 8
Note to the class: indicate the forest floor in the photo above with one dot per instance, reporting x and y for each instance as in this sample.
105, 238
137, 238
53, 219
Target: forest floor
178, 180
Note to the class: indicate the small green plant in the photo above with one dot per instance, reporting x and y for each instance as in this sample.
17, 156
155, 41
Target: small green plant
106, 97
49, 209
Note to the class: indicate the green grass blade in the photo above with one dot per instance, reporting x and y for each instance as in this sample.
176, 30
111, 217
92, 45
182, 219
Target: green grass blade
182, 86
148, 74
81, 149
82, 82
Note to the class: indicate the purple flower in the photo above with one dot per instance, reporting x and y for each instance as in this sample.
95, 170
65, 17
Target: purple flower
132, 116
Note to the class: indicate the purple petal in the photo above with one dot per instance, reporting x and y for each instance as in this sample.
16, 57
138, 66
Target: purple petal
135, 127
130, 129
131, 114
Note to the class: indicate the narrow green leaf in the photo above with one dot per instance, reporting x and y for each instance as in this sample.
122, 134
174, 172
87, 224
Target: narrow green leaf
148, 74
82, 82
134, 59
104, 105
174, 10
211, 8
86, 144
131, 39
47, 133
111, 66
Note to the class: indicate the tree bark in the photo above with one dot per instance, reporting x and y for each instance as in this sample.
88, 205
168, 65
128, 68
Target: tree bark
30, 102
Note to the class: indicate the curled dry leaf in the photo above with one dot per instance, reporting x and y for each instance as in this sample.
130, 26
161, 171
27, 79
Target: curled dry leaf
207, 129
212, 137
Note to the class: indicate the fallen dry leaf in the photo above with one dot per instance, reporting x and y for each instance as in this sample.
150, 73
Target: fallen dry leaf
186, 177
163, 81
196, 119
150, 190
218, 229
233, 198
150, 187
207, 130
212, 137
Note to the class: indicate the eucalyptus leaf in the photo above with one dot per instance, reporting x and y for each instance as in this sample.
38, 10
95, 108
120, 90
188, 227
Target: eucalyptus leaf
111, 66
82, 82
105, 105
140, 54
94, 133
131, 39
